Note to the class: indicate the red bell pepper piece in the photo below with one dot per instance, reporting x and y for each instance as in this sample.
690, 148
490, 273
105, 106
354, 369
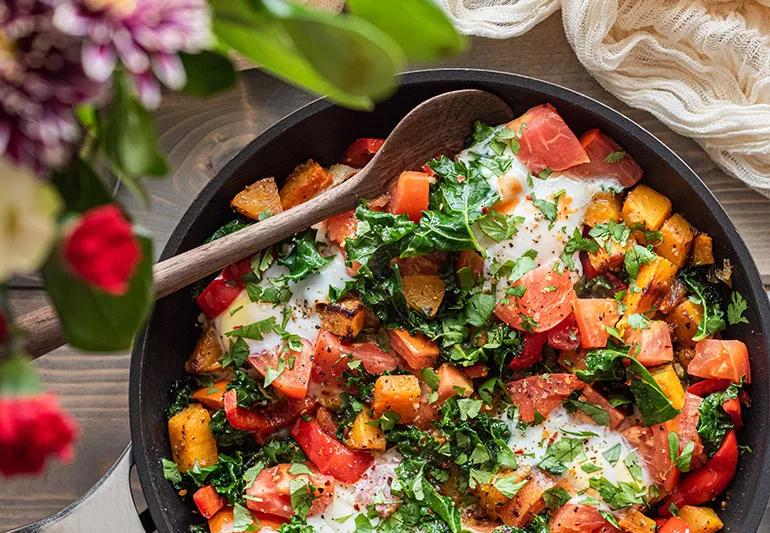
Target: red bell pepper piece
361, 151
329, 455
709, 481
208, 501
565, 335
220, 293
264, 422
733, 409
674, 525
531, 352
708, 386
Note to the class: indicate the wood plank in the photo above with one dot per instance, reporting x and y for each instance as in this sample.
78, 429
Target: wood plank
200, 137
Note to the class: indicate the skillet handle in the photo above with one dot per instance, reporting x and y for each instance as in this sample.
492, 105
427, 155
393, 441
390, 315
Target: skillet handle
107, 506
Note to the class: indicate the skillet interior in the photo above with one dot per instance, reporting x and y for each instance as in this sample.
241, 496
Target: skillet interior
322, 131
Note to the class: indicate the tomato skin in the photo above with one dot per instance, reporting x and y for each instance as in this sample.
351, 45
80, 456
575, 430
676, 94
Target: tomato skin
292, 382
572, 518
531, 351
361, 151
270, 493
708, 386
410, 195
721, 359
544, 307
478, 370
593, 316
541, 393
709, 481
329, 455
598, 146
208, 501
675, 525
651, 346
220, 293
340, 227
546, 141
331, 361
565, 335
264, 422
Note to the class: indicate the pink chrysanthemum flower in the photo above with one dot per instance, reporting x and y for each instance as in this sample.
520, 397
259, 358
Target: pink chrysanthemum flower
144, 35
40, 80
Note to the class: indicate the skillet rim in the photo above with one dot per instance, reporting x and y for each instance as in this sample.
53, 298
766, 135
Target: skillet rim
640, 135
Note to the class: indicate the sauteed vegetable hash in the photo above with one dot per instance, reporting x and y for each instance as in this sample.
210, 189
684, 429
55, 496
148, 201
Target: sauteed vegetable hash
519, 338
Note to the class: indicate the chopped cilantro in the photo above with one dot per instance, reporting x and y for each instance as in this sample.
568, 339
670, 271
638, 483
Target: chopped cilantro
736, 309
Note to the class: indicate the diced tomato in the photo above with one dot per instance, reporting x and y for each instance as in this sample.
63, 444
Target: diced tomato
220, 293
264, 422
208, 501
661, 468
332, 356
619, 165
329, 455
409, 195
651, 346
721, 359
340, 227
211, 396
547, 300
565, 335
708, 386
675, 525
270, 493
590, 395
326, 421
588, 269
546, 141
733, 409
531, 351
451, 381
687, 421
293, 380
478, 370
709, 481
594, 316
572, 518
361, 151
542, 393
417, 350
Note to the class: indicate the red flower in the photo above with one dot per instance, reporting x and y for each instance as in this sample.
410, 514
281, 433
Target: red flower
103, 250
32, 428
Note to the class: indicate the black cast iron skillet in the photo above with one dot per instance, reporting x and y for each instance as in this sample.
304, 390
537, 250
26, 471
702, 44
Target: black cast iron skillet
322, 130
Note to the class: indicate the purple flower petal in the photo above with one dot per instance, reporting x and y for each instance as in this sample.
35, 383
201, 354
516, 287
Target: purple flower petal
169, 70
147, 89
99, 60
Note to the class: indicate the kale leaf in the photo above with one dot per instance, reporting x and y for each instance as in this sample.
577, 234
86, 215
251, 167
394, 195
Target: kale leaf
707, 295
713, 421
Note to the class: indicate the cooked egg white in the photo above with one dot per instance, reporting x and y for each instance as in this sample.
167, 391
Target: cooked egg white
350, 500
603, 448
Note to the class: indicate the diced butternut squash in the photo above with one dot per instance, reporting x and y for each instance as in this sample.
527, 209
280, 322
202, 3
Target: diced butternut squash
344, 318
207, 354
305, 182
424, 293
684, 320
700, 519
650, 286
603, 260
364, 436
258, 200
222, 522
647, 207
410, 194
191, 438
471, 260
634, 521
702, 250
604, 206
212, 396
400, 394
493, 501
677, 237
529, 501
676, 293
670, 384
452, 381
418, 351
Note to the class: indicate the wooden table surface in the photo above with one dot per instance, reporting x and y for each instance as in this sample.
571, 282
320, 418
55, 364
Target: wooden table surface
199, 138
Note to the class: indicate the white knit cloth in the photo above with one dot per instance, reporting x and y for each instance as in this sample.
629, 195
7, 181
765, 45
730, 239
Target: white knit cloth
700, 66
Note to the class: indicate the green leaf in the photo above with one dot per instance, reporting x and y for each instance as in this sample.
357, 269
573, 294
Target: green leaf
612, 454
706, 295
255, 330
736, 308
418, 26
18, 377
549, 210
624, 494
652, 402
597, 414
207, 73
555, 497
443, 506
509, 486
242, 518
638, 321
479, 308
560, 453
635, 257
469, 408
303, 259
615, 157
430, 378
227, 229
171, 472
237, 354
80, 187
499, 227
713, 421
577, 243
92, 319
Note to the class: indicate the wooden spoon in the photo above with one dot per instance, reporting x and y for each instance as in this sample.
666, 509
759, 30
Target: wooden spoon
437, 125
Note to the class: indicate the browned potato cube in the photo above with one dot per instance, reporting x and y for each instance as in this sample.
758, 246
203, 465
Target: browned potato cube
207, 354
677, 236
344, 318
650, 286
400, 394
647, 207
305, 182
191, 438
702, 250
604, 206
684, 320
424, 292
258, 200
